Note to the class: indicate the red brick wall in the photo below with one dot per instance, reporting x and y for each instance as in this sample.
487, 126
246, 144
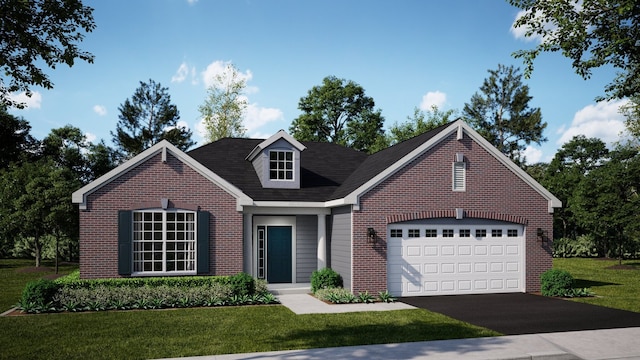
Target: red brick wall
146, 184
425, 186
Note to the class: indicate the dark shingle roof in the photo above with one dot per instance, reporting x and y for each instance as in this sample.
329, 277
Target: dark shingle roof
328, 171
323, 167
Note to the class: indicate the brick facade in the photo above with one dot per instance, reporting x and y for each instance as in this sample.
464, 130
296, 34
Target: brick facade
143, 186
423, 189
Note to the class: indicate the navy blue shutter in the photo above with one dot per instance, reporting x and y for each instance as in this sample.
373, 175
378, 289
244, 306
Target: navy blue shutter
125, 233
203, 242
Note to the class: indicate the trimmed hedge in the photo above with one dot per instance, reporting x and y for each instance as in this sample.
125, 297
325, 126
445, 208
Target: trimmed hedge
556, 282
70, 293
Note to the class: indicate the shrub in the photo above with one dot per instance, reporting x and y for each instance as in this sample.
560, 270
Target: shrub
582, 246
384, 296
242, 284
325, 279
38, 295
556, 282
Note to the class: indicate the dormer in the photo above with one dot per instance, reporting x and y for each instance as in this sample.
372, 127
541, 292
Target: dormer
277, 161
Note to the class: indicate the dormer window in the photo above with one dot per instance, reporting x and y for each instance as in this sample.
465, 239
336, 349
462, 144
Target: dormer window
281, 165
277, 161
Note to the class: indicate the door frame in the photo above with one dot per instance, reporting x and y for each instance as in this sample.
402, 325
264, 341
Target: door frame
274, 221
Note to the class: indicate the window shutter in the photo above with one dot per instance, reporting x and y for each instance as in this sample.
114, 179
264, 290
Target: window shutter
203, 242
459, 176
125, 233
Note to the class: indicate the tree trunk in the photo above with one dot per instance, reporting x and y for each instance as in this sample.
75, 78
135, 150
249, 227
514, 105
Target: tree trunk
38, 249
56, 255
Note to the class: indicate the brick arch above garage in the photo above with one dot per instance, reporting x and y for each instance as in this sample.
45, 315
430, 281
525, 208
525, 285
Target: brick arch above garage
437, 214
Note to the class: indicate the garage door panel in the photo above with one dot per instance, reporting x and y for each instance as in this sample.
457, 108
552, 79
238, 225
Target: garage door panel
458, 264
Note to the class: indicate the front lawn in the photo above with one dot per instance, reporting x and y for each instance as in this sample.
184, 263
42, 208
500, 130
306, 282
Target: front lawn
203, 331
613, 288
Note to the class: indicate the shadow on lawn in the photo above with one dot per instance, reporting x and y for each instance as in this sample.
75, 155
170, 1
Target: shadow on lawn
390, 341
583, 283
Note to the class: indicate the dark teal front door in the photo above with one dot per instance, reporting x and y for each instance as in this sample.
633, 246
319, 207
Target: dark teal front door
279, 254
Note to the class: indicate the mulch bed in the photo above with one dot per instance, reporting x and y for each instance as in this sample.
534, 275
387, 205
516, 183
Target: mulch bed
623, 267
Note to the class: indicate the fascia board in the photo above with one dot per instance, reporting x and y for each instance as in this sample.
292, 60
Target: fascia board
275, 137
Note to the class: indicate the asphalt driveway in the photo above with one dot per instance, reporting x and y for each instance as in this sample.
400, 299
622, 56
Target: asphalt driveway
517, 314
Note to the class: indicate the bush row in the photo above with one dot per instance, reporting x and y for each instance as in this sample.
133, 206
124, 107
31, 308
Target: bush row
73, 294
326, 285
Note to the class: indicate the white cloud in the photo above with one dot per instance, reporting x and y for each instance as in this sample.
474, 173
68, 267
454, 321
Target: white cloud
33, 102
100, 110
256, 117
90, 137
218, 68
532, 155
191, 2
602, 120
432, 98
520, 32
184, 71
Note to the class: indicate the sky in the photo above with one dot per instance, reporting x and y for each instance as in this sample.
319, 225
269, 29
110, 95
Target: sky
405, 54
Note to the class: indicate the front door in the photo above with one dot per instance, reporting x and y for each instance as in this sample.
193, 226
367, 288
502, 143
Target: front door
279, 262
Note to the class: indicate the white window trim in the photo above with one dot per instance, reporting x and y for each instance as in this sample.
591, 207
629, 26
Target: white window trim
293, 165
164, 244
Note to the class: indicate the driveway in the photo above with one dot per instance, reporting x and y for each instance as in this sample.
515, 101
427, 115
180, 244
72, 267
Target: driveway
517, 314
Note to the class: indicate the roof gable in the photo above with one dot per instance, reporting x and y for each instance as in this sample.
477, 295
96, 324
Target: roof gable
381, 165
163, 147
281, 134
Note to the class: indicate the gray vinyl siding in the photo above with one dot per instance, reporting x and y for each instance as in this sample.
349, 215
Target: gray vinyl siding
306, 247
341, 243
258, 165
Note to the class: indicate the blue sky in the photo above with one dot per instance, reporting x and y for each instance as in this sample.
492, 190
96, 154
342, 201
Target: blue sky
405, 54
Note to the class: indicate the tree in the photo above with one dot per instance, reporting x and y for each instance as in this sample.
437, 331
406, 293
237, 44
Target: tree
225, 106
15, 141
148, 118
101, 159
608, 203
570, 165
38, 32
419, 123
338, 111
631, 111
502, 115
66, 147
590, 33
36, 196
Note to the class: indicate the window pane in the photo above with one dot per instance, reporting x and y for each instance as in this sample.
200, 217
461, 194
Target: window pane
465, 233
447, 233
289, 156
431, 233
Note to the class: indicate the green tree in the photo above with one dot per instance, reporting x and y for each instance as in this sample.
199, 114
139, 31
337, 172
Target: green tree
66, 147
608, 203
590, 33
146, 119
338, 111
570, 165
419, 123
15, 141
101, 159
631, 111
38, 32
501, 113
36, 194
224, 108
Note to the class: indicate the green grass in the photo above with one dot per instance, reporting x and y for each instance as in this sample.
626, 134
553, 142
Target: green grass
617, 289
202, 331
16, 273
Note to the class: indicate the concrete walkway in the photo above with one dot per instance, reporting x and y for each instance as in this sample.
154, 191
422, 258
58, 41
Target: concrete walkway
623, 343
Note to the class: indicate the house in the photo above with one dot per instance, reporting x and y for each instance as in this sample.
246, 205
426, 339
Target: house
441, 213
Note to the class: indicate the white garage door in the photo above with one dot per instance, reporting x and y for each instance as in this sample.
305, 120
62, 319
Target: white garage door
451, 257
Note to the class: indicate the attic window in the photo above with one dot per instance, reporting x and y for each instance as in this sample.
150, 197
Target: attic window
281, 165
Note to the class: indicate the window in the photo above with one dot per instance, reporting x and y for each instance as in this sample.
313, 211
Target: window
396, 233
281, 165
447, 233
465, 233
459, 176
431, 233
512, 232
496, 232
414, 233
480, 233
164, 241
